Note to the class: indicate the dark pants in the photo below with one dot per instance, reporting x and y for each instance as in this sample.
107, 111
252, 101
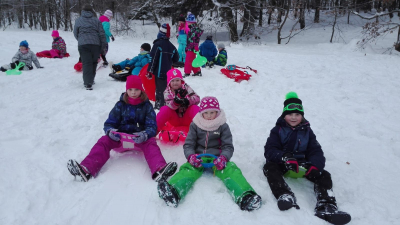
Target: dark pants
104, 53
161, 85
274, 173
89, 55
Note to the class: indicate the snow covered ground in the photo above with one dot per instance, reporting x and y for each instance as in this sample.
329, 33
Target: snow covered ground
47, 117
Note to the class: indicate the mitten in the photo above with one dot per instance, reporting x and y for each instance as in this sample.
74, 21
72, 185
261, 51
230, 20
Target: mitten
181, 92
220, 162
114, 137
112, 38
140, 137
149, 75
196, 48
313, 173
290, 162
195, 161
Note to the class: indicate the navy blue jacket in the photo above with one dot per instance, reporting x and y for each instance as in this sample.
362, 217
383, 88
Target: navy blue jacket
208, 50
300, 141
129, 118
163, 54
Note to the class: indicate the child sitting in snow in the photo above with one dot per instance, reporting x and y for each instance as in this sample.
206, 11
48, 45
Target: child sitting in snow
133, 114
135, 64
291, 144
181, 102
222, 57
208, 50
24, 55
58, 47
209, 133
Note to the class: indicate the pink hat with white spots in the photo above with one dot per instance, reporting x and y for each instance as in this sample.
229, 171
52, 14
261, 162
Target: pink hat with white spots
209, 103
173, 74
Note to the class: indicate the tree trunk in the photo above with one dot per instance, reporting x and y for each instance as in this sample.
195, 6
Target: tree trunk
269, 15
260, 17
231, 24
317, 8
302, 20
281, 25
334, 24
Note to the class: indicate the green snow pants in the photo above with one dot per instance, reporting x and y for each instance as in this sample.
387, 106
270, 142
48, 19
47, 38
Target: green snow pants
231, 176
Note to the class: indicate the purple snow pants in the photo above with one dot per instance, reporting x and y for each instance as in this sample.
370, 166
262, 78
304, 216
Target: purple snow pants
100, 153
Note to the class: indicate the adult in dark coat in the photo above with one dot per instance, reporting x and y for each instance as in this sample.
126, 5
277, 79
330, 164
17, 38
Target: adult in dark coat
90, 34
163, 54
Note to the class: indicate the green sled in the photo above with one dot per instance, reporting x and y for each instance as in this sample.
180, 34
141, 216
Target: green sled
199, 60
16, 71
292, 174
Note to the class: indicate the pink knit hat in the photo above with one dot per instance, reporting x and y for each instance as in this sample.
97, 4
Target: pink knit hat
174, 73
108, 13
134, 82
55, 34
209, 103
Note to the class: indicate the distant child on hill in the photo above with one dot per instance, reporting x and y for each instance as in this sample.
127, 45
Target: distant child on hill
135, 64
291, 144
222, 57
105, 21
208, 50
193, 32
181, 102
133, 114
58, 47
182, 39
24, 55
209, 133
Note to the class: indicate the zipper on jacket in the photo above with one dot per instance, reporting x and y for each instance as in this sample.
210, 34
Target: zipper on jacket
205, 149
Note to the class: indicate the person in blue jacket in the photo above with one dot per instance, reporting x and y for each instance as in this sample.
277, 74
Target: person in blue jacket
208, 50
135, 64
105, 21
291, 144
163, 55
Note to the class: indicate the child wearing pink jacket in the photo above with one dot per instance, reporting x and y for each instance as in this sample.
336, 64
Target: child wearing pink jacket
181, 102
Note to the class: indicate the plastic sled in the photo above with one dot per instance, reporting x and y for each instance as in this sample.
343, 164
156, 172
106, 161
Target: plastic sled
148, 84
236, 74
40, 55
207, 165
16, 71
120, 75
178, 64
199, 61
127, 142
175, 135
292, 174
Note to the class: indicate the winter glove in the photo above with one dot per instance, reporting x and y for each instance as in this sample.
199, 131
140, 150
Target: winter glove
313, 173
149, 75
181, 101
195, 161
141, 137
196, 48
112, 38
114, 137
290, 162
220, 162
181, 92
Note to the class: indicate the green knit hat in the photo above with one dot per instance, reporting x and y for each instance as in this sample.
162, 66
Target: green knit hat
292, 104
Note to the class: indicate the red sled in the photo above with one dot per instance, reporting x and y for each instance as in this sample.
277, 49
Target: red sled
41, 55
148, 84
236, 74
174, 135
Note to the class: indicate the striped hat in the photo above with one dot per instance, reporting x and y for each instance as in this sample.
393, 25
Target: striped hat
108, 13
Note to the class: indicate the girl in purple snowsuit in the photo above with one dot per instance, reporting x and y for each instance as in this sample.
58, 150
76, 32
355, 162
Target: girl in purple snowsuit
133, 114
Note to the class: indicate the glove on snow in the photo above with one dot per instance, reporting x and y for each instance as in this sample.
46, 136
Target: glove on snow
220, 162
290, 162
114, 137
195, 161
141, 137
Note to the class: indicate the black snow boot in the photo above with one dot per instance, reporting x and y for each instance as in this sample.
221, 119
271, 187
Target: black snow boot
326, 207
116, 68
197, 74
186, 75
167, 171
287, 201
88, 87
2, 69
250, 202
168, 193
77, 170
157, 105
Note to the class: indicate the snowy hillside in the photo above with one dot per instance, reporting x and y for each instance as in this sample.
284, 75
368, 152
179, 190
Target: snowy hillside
47, 117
